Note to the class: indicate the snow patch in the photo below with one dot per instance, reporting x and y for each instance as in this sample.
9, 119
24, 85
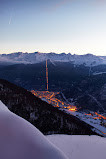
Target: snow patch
80, 146
98, 73
3, 107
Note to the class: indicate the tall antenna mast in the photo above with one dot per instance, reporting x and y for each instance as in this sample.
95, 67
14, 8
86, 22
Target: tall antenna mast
46, 76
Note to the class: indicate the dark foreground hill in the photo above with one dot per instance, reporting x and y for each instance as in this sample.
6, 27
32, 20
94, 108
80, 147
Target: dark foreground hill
44, 116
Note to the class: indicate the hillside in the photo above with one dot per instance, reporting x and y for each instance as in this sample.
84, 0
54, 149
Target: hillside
45, 117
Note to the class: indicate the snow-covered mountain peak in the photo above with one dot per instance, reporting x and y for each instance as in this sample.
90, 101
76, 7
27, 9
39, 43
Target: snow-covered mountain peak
36, 57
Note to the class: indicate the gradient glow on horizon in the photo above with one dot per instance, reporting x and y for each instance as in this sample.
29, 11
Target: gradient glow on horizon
75, 26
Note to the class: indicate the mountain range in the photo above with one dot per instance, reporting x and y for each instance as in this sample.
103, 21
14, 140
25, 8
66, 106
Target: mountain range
36, 57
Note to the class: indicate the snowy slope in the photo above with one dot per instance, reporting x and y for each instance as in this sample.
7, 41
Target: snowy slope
98, 73
37, 57
80, 147
20, 140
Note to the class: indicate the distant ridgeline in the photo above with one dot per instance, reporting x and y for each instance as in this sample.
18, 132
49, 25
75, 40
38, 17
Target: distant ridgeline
36, 57
44, 116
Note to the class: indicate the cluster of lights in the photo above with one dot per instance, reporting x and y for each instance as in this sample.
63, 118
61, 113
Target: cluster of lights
51, 99
98, 116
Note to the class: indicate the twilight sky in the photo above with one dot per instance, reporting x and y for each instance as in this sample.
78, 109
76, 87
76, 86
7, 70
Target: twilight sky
75, 26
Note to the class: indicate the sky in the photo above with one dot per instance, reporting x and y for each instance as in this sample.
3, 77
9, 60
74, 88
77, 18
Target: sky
70, 26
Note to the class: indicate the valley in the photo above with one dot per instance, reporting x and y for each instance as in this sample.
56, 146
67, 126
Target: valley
97, 120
